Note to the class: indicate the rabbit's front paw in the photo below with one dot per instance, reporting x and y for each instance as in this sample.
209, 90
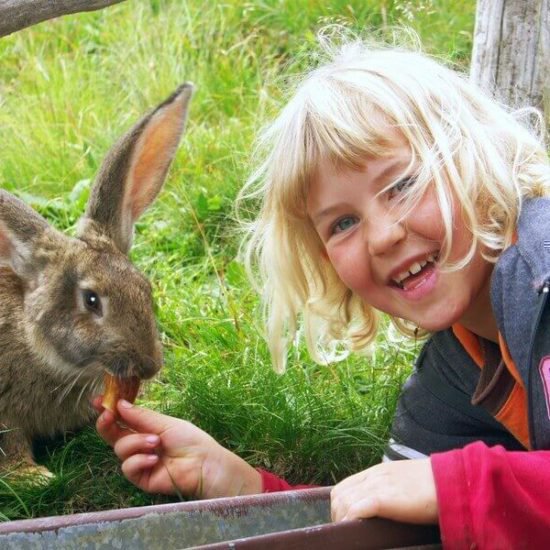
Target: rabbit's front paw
34, 474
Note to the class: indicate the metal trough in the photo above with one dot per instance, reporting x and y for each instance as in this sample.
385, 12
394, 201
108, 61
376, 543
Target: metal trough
288, 520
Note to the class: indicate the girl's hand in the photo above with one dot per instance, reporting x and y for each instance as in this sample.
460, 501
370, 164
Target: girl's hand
161, 454
403, 490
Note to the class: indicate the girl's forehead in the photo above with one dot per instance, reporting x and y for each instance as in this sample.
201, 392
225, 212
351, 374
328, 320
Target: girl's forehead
388, 144
389, 162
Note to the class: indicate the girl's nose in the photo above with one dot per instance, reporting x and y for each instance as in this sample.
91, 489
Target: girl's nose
383, 233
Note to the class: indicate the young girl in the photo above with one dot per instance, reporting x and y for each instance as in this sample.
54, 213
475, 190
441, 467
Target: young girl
391, 184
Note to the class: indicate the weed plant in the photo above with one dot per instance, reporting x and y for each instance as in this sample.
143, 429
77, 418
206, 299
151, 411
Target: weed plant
68, 88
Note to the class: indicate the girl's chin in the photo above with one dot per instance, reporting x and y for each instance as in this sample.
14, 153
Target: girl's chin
435, 327
435, 322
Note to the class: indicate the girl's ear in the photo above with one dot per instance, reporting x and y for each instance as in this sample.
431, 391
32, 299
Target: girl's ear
134, 171
20, 226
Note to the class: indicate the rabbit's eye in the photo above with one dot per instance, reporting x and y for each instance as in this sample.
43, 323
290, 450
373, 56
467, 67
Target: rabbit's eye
92, 301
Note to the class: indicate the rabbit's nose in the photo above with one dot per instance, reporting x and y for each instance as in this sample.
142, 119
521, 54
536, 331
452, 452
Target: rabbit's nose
150, 365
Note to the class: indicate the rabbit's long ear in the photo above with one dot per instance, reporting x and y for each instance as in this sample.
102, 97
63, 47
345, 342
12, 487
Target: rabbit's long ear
20, 226
134, 171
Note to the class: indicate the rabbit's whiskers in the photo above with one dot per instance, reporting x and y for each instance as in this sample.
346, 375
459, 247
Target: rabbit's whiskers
91, 385
83, 391
63, 383
69, 387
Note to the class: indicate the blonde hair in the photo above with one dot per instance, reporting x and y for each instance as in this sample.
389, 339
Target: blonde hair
466, 145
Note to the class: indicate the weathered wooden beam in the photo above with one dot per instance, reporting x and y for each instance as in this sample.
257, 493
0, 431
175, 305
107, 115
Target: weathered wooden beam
511, 51
18, 14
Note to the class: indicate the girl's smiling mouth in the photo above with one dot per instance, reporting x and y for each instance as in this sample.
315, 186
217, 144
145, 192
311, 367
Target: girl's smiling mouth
417, 279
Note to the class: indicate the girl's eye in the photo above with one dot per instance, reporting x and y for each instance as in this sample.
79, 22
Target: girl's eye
343, 224
401, 185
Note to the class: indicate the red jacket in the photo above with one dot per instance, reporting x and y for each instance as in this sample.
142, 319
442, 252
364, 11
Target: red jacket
492, 498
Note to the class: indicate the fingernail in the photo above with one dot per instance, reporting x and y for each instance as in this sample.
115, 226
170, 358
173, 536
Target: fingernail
152, 439
152, 458
125, 404
105, 416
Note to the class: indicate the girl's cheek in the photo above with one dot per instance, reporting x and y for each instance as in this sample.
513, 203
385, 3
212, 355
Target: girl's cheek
336, 257
350, 266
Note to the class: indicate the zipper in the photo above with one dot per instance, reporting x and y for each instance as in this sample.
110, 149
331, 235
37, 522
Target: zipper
543, 292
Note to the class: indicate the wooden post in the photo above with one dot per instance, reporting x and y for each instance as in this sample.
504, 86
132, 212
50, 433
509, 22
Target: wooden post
511, 52
18, 14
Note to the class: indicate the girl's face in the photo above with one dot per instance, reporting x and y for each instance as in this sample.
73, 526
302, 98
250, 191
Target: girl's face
392, 264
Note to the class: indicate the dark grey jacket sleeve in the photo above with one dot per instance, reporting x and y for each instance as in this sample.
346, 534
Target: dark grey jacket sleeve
435, 413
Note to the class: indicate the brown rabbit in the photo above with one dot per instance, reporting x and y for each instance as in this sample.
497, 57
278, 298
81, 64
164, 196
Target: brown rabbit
75, 308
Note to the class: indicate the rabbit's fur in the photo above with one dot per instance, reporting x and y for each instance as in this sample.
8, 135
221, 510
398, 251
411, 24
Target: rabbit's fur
75, 308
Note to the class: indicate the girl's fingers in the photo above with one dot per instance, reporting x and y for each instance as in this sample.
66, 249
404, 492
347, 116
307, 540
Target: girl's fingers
135, 443
144, 420
109, 429
354, 497
137, 468
363, 508
97, 403
339, 500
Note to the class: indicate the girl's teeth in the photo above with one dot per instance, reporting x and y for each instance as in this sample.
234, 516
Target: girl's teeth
402, 276
414, 269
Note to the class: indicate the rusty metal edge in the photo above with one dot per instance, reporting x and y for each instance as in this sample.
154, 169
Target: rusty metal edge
220, 506
366, 534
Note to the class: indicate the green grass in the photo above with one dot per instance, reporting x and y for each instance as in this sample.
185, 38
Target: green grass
68, 89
